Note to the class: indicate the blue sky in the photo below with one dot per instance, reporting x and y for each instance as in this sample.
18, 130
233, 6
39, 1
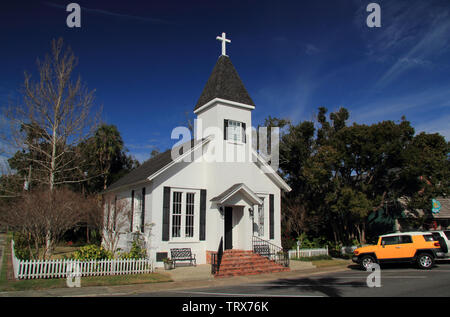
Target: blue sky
149, 60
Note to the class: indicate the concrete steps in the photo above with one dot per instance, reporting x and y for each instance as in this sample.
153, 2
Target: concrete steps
239, 262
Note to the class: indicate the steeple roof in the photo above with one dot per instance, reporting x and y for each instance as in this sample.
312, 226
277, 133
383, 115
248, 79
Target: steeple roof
224, 83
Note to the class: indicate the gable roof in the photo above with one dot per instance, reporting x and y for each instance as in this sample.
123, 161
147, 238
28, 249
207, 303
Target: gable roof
151, 166
224, 83
158, 164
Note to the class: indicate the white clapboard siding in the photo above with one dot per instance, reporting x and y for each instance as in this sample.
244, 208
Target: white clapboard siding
33, 269
307, 253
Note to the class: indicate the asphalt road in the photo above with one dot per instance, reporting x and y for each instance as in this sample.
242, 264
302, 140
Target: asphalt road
396, 281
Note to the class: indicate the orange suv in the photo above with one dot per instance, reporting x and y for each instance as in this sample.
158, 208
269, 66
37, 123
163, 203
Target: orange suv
413, 247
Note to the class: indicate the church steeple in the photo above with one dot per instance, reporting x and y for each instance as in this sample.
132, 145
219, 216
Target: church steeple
224, 83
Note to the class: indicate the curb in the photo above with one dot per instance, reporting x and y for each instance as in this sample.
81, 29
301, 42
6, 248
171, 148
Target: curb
134, 289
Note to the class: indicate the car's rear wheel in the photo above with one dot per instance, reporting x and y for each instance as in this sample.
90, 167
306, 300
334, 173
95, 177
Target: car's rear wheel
425, 261
367, 261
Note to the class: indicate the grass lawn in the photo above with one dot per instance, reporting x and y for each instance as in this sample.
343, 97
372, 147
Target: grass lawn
8, 283
62, 251
332, 262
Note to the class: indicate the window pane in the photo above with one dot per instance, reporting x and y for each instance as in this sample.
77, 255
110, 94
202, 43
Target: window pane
176, 215
189, 230
428, 237
405, 239
436, 236
261, 218
234, 130
390, 240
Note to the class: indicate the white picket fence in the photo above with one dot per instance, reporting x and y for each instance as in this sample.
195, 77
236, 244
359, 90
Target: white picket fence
307, 253
34, 269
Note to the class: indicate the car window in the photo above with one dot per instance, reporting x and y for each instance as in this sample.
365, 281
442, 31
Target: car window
390, 240
436, 236
405, 239
429, 237
447, 234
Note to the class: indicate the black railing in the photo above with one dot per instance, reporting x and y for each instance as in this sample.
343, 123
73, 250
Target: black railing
271, 251
216, 258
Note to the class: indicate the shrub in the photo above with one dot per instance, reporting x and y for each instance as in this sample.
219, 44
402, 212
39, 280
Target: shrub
137, 250
288, 242
313, 258
308, 243
21, 248
334, 249
356, 243
92, 252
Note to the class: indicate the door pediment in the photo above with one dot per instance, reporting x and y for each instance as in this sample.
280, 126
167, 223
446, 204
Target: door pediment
237, 195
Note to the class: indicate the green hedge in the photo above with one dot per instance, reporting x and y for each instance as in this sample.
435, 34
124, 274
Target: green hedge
92, 252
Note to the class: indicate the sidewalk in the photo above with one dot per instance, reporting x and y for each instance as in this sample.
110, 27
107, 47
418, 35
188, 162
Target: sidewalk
183, 278
203, 272
2, 248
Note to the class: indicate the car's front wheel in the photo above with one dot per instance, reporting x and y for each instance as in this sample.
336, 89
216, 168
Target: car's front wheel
367, 261
425, 261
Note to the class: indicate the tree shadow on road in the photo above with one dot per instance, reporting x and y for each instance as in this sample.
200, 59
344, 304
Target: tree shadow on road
327, 285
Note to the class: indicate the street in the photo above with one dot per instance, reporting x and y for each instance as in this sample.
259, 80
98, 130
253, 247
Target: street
396, 281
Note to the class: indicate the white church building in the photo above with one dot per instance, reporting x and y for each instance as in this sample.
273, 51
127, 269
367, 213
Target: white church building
212, 188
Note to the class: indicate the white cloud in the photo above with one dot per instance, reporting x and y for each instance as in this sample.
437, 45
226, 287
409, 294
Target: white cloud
311, 49
114, 14
431, 43
412, 35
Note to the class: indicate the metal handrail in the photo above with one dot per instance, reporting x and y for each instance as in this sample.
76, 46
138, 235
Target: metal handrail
270, 250
216, 258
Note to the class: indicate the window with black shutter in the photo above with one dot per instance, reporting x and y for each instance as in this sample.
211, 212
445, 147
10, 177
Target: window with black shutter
132, 211
203, 215
143, 210
166, 214
272, 216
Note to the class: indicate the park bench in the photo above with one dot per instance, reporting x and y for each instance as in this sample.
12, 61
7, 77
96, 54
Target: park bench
182, 254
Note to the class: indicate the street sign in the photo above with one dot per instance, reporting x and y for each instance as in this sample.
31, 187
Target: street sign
435, 206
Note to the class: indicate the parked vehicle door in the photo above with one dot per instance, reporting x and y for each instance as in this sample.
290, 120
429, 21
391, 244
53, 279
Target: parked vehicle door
406, 248
389, 248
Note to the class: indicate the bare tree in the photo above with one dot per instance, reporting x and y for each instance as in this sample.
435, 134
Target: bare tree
115, 222
41, 215
51, 121
294, 216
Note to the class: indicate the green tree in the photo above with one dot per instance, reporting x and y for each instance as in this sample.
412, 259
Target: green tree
106, 159
341, 174
107, 145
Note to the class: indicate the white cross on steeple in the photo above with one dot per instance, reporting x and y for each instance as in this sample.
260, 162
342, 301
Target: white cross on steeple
224, 43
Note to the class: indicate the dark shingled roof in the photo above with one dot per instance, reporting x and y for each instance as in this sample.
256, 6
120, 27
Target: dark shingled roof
149, 167
224, 83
